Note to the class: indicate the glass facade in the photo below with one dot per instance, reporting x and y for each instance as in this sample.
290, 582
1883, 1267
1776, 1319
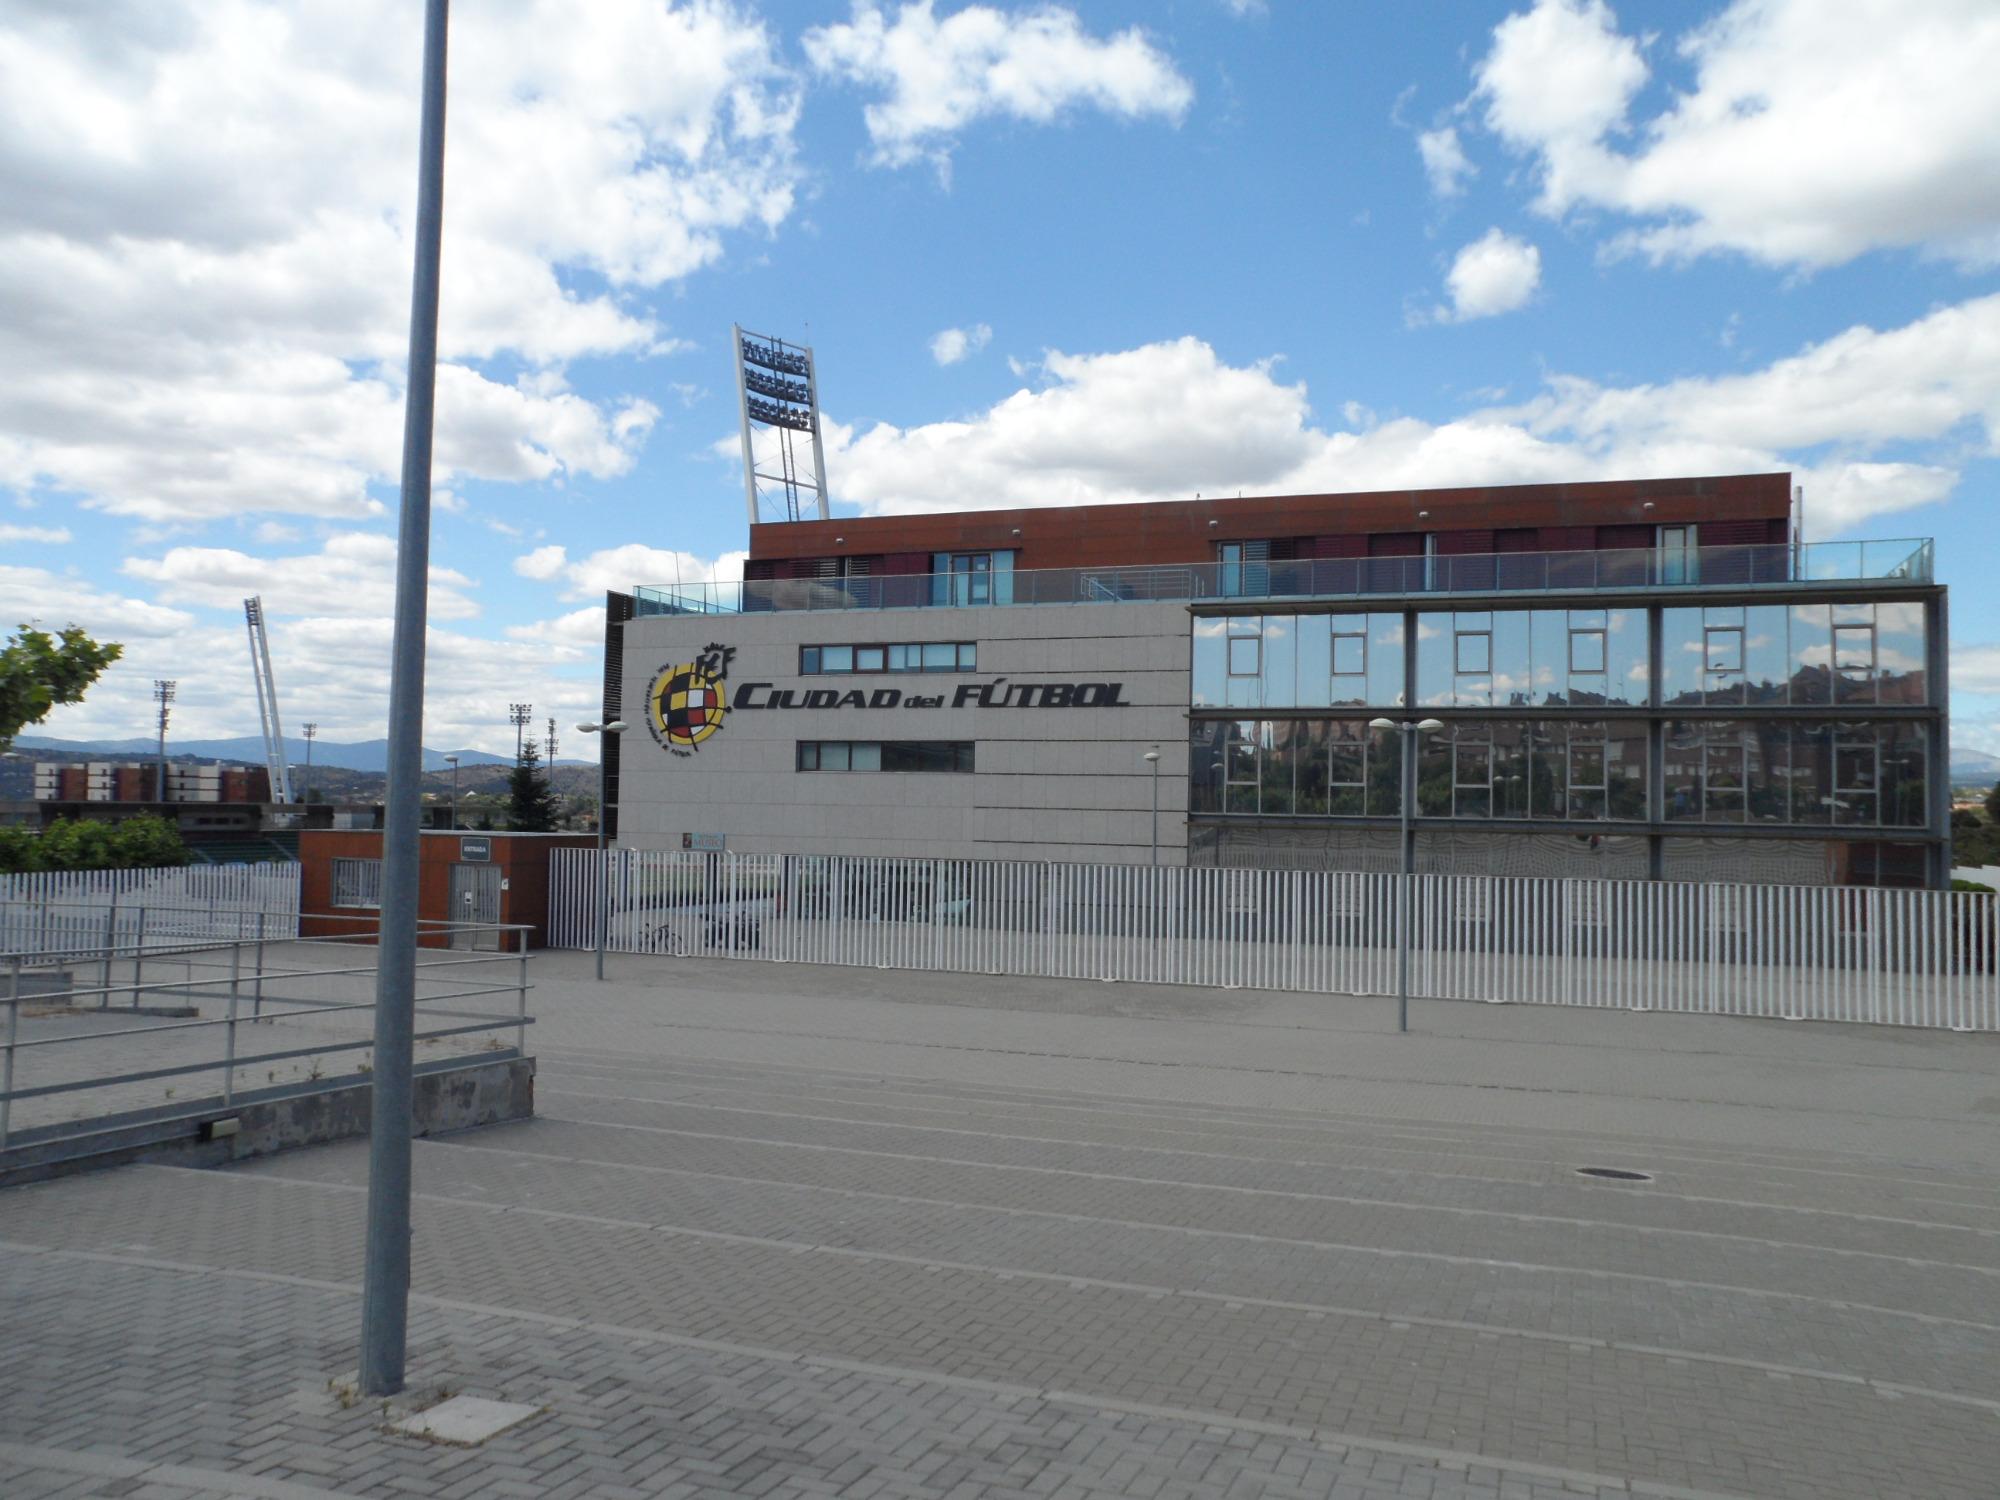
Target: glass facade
1803, 655
1539, 658
1586, 753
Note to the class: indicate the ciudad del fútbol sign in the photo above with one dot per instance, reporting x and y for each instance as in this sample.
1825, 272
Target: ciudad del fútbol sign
689, 702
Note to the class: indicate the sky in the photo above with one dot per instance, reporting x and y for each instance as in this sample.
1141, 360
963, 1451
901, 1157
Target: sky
1046, 255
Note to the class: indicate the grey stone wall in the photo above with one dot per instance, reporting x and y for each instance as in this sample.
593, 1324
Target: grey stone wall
1051, 783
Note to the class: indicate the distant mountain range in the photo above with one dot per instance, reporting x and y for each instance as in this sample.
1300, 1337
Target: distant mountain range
359, 755
1974, 765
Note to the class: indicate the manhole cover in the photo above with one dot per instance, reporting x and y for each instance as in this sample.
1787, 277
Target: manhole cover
1614, 1174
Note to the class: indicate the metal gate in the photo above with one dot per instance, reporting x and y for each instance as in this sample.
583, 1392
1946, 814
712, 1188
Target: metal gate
475, 897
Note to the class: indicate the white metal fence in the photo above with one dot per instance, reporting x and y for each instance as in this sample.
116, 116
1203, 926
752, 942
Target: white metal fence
1913, 958
86, 911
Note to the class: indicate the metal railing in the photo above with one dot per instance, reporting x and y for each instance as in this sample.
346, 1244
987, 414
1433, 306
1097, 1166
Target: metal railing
308, 991
65, 910
1905, 957
1890, 563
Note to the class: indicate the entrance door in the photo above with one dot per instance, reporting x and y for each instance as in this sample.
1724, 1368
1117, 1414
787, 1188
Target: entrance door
475, 897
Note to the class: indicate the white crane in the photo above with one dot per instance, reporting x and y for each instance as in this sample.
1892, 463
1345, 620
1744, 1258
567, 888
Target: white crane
267, 701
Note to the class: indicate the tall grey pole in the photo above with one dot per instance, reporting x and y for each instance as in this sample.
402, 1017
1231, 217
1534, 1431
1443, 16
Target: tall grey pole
1409, 734
603, 859
385, 1298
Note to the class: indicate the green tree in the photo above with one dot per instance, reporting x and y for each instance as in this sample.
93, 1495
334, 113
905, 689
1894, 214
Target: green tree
1993, 803
38, 671
89, 844
531, 801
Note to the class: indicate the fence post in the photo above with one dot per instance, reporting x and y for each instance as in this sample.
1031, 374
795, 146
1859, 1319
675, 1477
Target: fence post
521, 994
257, 979
110, 944
7, 1053
1875, 952
138, 957
229, 1031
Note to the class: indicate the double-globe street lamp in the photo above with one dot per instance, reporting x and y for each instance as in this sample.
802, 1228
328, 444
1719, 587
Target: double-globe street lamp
616, 726
1409, 729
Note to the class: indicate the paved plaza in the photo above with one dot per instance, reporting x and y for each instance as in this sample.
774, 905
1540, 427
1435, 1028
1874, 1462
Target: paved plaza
791, 1231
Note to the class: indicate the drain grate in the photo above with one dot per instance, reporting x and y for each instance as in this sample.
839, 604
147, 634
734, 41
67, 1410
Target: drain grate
1614, 1174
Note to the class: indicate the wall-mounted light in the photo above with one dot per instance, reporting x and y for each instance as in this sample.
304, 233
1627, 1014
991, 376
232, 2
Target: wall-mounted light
1017, 531
1647, 506
840, 541
1423, 515
1211, 523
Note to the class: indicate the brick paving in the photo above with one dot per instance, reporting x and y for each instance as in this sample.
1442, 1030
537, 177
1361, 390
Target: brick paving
809, 1232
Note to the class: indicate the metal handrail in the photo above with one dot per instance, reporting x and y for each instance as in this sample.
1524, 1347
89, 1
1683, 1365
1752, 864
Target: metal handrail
1897, 561
231, 979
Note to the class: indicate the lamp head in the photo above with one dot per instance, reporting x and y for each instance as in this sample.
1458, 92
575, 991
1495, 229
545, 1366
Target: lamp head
1381, 723
1429, 726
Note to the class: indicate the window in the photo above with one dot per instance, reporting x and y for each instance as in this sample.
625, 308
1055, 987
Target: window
1475, 651
1586, 649
1724, 651
1246, 646
1350, 647
1239, 768
1472, 775
1679, 554
358, 883
885, 755
902, 656
1245, 569
967, 578
1854, 662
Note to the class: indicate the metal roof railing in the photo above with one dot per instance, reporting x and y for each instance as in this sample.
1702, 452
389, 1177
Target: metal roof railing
1892, 563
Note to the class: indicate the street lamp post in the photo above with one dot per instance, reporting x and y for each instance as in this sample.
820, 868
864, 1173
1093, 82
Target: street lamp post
1409, 731
311, 733
616, 726
1152, 758
385, 1296
452, 761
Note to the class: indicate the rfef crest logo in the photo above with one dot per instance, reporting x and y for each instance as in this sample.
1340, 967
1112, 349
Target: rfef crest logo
688, 702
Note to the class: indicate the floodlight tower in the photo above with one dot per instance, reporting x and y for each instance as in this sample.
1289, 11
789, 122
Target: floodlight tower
518, 715
163, 694
779, 397
267, 701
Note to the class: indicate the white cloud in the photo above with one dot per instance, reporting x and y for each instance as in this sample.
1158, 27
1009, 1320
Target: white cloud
51, 535
1975, 669
1813, 132
1494, 274
942, 75
955, 344
353, 575
1445, 161
204, 236
1872, 422
544, 562
635, 563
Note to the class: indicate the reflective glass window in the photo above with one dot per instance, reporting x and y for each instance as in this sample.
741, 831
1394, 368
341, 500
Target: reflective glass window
1280, 664
870, 659
1239, 767
940, 656
1208, 661
1899, 653
1309, 768
808, 660
864, 755
836, 658
1811, 656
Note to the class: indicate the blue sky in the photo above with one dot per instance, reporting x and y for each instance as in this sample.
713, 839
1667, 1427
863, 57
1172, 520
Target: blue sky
1195, 246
